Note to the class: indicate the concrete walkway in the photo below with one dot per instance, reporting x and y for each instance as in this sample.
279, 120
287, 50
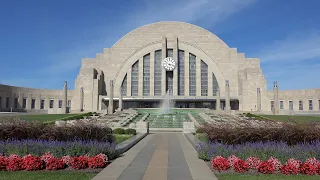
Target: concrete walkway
159, 156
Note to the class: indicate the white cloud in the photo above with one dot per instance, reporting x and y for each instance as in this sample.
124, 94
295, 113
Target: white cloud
212, 11
295, 47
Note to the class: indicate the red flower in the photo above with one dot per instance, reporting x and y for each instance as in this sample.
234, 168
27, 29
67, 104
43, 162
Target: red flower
96, 162
308, 168
54, 164
15, 164
32, 163
289, 168
266, 167
253, 162
80, 162
240, 166
220, 163
3, 163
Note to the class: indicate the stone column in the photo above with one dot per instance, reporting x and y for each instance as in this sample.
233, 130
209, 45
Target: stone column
198, 76
164, 72
227, 96
120, 100
81, 99
186, 73
258, 100
175, 71
276, 98
218, 108
140, 78
65, 98
110, 108
152, 54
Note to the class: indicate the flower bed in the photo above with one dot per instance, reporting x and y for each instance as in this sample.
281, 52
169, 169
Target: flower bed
310, 166
49, 162
261, 150
58, 148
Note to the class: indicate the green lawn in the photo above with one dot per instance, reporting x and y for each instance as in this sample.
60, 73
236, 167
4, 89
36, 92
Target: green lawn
44, 117
122, 137
288, 118
265, 177
58, 175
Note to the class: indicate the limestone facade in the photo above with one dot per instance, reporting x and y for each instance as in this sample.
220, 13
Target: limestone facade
207, 72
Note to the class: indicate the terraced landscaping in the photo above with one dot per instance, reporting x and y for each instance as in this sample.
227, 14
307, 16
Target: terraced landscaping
173, 120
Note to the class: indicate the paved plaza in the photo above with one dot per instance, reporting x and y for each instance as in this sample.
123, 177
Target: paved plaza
159, 156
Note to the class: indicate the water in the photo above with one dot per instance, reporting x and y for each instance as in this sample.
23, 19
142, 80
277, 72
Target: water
167, 104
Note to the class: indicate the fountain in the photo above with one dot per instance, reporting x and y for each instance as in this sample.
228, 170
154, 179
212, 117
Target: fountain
167, 104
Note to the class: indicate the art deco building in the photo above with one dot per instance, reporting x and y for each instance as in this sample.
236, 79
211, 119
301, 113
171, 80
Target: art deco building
189, 62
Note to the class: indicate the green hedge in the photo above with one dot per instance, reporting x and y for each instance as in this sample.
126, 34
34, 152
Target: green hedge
124, 131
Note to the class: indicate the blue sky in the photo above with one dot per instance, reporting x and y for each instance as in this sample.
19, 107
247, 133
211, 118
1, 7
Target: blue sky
42, 42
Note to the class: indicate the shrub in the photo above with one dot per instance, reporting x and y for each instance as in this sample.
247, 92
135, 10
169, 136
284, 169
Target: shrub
54, 164
80, 162
32, 163
130, 131
3, 163
19, 130
290, 133
308, 168
220, 163
275, 162
240, 166
96, 162
15, 164
200, 131
119, 131
266, 167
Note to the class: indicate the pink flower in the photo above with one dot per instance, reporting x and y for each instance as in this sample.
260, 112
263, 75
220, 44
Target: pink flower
46, 157
103, 156
233, 159
253, 162
12, 156
294, 162
313, 161
276, 163
67, 160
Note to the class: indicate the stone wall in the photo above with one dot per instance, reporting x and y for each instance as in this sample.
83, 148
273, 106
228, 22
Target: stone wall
25, 96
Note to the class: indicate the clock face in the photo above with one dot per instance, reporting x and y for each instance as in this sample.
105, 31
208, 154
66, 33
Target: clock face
169, 64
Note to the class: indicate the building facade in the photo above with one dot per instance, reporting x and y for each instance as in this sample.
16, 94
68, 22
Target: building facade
190, 63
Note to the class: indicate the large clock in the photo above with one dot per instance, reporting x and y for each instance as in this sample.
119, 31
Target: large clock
169, 64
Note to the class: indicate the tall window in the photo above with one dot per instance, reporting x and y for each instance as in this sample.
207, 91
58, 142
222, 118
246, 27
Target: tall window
51, 103
281, 104
42, 103
204, 79
215, 85
310, 105
15, 105
7, 102
291, 105
135, 79
192, 75
124, 86
157, 73
24, 103
181, 72
60, 103
146, 75
300, 105
33, 104
272, 105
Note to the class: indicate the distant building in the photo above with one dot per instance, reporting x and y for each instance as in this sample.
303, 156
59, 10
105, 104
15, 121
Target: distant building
193, 63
